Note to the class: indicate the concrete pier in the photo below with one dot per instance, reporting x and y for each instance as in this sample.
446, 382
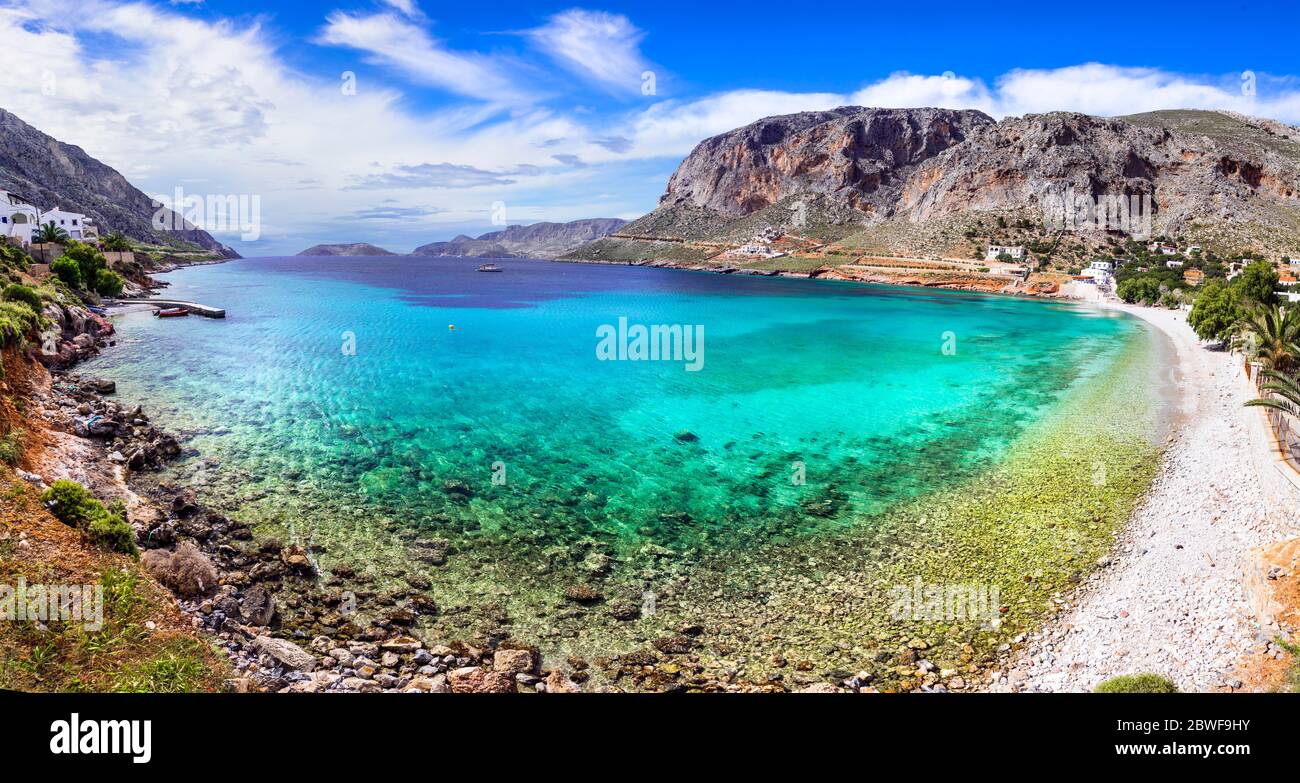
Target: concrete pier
193, 307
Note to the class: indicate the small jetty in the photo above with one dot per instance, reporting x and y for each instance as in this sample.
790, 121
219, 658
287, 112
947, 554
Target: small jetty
193, 307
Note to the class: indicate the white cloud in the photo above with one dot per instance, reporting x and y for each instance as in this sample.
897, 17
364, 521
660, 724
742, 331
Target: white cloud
406, 47
173, 100
603, 47
407, 7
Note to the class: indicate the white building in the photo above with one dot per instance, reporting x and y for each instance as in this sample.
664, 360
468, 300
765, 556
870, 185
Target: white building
1099, 271
1192, 249
18, 219
76, 224
1016, 253
1174, 264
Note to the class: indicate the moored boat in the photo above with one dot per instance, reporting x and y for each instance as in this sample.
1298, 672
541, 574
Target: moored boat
489, 268
171, 312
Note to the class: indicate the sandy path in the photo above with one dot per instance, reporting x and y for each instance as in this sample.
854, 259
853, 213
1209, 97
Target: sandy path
1172, 598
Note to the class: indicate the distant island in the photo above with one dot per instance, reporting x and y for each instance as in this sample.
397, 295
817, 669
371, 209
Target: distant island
539, 240
354, 249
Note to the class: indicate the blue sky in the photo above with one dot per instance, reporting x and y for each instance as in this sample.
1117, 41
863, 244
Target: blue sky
544, 111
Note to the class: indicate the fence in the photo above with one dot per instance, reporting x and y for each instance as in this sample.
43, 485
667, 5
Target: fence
1288, 439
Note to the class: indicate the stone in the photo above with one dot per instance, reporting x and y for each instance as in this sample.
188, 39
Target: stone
582, 594
401, 644
474, 679
821, 687
513, 661
257, 606
286, 652
557, 682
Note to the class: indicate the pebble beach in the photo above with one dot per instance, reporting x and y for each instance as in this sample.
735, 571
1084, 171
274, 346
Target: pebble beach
1173, 596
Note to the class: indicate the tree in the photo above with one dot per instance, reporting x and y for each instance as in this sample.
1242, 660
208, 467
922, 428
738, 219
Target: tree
1216, 312
1276, 336
108, 282
67, 270
50, 234
1258, 283
89, 261
1139, 289
1286, 389
116, 242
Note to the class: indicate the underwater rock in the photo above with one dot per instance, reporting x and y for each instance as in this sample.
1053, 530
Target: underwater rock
686, 436
582, 594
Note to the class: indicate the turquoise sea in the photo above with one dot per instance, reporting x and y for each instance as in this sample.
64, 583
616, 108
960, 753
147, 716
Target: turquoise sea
363, 405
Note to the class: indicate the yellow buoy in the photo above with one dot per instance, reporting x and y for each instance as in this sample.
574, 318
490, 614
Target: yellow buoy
451, 327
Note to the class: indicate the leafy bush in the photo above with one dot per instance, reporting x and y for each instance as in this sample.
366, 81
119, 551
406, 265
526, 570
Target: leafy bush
67, 270
1137, 683
17, 292
186, 570
11, 447
109, 283
1139, 289
113, 532
16, 322
89, 261
117, 243
73, 505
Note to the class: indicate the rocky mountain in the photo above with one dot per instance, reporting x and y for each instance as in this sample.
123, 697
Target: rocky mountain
354, 249
924, 181
539, 240
51, 174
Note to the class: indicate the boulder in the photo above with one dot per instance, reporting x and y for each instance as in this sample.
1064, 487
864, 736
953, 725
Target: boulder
513, 661
286, 652
473, 679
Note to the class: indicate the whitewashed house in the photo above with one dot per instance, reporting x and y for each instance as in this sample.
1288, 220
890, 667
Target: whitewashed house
76, 224
18, 219
1192, 250
1017, 252
1174, 264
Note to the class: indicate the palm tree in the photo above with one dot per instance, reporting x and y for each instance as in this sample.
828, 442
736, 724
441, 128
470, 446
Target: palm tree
1276, 336
1285, 387
50, 234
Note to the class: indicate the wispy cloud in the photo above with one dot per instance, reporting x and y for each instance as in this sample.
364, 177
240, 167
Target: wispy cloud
399, 43
602, 47
431, 175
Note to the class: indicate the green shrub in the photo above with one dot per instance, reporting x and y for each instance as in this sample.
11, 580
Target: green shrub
1137, 683
108, 282
25, 294
67, 270
113, 532
73, 505
117, 242
16, 322
89, 261
11, 447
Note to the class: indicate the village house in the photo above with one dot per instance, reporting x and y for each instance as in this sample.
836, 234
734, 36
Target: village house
1174, 264
1016, 253
76, 224
1193, 277
18, 219
1192, 250
1100, 271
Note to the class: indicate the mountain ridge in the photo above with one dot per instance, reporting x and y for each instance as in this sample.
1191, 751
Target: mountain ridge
925, 181
51, 173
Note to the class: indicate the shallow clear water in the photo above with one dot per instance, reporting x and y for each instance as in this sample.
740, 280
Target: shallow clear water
848, 386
